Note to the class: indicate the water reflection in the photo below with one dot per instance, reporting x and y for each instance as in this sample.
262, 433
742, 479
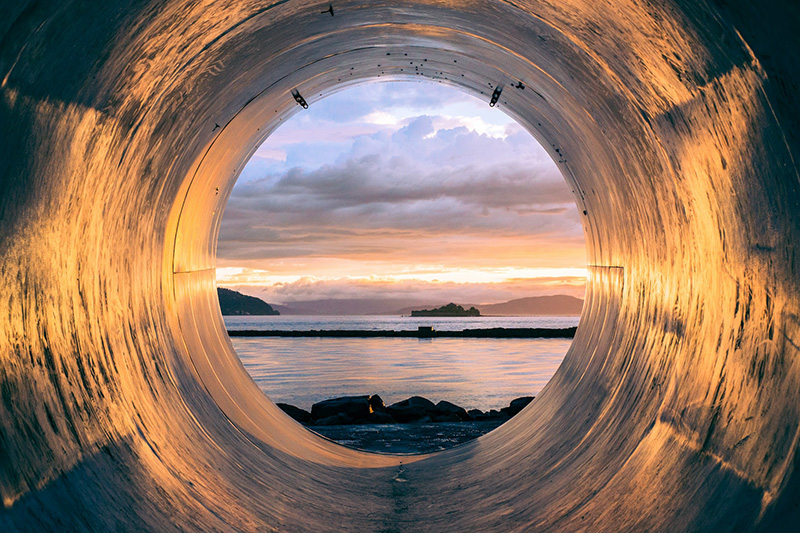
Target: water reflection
474, 373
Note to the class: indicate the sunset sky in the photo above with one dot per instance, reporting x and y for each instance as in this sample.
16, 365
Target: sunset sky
401, 190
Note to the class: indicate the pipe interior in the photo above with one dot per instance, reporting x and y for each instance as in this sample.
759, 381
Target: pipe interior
124, 405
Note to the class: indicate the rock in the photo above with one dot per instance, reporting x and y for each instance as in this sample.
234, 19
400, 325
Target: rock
418, 401
494, 414
354, 407
445, 417
475, 414
376, 403
521, 402
301, 415
406, 413
450, 410
411, 409
380, 417
517, 405
335, 420
371, 410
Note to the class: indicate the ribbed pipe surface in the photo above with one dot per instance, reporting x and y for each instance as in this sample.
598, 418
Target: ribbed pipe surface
122, 403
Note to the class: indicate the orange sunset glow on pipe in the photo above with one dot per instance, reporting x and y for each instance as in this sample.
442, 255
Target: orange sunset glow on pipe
123, 405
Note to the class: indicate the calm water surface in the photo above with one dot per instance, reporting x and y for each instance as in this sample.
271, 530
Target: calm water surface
398, 323
474, 373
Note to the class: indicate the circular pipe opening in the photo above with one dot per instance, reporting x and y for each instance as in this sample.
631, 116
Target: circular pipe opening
439, 197
212, 181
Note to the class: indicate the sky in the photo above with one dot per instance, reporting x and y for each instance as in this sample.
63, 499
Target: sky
401, 190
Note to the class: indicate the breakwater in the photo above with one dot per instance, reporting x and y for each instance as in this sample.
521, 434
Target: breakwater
421, 333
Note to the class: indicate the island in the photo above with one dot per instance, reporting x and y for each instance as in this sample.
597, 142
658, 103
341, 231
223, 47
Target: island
236, 303
450, 309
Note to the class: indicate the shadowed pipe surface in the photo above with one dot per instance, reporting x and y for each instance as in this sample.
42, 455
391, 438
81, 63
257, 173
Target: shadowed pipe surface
123, 404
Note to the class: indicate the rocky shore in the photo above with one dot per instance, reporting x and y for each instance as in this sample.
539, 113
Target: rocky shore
349, 410
414, 425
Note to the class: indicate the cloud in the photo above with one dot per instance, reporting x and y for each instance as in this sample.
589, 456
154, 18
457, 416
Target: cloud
385, 179
307, 288
270, 154
391, 99
416, 179
319, 134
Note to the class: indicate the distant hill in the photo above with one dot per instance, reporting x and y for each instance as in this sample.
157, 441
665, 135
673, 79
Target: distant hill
354, 306
236, 303
450, 309
556, 305
292, 310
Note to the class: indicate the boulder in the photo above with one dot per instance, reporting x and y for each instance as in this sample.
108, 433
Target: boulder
475, 414
371, 410
517, 405
335, 420
301, 415
411, 409
376, 403
445, 417
418, 401
380, 417
449, 410
406, 413
494, 414
354, 407
522, 402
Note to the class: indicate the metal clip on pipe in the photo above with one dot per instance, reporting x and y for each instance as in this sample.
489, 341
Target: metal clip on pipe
299, 98
496, 95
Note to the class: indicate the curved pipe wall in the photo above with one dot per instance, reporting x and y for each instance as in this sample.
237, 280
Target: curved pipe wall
122, 404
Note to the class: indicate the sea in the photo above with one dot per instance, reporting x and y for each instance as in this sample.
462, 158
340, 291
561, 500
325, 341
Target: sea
473, 373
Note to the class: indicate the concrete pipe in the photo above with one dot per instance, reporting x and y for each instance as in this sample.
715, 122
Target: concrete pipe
124, 125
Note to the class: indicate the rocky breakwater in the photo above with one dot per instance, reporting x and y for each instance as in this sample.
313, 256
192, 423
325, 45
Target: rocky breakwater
366, 409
